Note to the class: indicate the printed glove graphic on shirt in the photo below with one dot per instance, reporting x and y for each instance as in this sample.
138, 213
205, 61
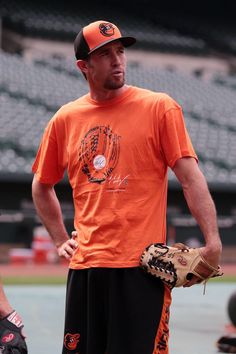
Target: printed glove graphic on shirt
99, 153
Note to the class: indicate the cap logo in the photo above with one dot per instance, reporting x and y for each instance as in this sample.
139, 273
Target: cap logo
107, 29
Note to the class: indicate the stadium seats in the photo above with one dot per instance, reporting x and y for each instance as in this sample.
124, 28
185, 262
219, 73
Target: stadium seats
31, 90
30, 95
156, 29
57, 22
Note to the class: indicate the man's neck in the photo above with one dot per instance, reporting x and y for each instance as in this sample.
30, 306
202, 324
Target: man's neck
104, 95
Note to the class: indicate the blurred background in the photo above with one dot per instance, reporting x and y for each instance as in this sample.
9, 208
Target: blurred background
186, 49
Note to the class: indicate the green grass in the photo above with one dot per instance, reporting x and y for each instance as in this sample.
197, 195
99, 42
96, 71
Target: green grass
39, 280
61, 280
224, 279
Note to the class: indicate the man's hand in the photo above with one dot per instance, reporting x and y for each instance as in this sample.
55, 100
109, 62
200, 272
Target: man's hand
68, 248
179, 265
212, 255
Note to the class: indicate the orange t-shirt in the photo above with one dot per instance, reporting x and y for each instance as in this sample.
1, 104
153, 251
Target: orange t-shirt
116, 153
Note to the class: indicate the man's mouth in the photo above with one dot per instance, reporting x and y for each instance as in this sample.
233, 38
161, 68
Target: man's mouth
117, 73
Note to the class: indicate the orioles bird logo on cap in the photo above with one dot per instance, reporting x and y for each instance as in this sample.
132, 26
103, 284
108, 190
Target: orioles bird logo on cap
107, 29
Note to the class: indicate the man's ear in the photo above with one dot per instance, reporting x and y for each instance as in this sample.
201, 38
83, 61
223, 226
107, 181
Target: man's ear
82, 65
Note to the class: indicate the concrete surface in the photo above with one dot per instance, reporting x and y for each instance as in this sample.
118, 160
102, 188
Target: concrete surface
196, 323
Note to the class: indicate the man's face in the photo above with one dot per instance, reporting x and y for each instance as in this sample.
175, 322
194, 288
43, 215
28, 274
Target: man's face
106, 67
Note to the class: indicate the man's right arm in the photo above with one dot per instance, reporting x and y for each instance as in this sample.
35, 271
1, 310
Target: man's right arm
5, 307
49, 211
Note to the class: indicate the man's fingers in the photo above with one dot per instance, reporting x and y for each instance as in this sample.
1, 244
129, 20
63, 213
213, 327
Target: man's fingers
72, 243
180, 246
74, 233
67, 249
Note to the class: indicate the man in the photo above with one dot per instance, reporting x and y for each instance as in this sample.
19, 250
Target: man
12, 339
116, 143
227, 342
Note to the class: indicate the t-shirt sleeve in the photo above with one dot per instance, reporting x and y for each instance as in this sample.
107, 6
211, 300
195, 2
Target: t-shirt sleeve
50, 162
174, 138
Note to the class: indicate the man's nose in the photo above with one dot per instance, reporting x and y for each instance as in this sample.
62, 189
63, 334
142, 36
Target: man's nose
115, 59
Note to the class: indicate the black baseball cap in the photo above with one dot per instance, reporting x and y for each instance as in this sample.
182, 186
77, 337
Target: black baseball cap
97, 34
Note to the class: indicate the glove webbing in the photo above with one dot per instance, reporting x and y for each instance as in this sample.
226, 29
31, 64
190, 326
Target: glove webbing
161, 266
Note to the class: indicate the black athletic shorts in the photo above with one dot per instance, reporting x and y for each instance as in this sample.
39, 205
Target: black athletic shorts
116, 311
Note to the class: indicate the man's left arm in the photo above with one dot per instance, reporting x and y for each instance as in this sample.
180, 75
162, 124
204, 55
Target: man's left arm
201, 206
5, 307
12, 339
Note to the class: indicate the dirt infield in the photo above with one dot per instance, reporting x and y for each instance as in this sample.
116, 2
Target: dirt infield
33, 270
8, 270
229, 269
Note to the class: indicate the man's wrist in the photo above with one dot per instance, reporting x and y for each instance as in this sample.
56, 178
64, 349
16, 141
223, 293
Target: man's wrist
214, 247
5, 311
60, 242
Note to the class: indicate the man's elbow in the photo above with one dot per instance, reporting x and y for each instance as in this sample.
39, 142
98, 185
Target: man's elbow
39, 188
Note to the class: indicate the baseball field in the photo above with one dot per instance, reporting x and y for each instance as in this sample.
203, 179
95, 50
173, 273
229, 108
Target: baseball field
197, 320
41, 274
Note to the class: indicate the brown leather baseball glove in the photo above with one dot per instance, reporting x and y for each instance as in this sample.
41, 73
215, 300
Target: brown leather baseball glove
177, 264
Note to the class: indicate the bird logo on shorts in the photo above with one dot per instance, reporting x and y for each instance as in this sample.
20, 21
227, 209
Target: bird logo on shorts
106, 29
71, 340
99, 153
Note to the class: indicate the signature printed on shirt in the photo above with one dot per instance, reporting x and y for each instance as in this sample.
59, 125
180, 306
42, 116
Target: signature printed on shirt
117, 183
